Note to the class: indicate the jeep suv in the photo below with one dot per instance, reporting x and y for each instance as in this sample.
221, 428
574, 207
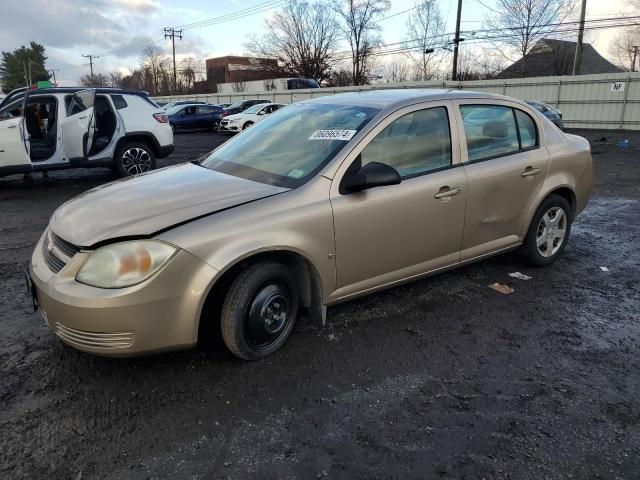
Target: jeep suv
54, 128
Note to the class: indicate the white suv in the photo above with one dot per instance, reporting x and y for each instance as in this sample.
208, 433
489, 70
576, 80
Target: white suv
54, 128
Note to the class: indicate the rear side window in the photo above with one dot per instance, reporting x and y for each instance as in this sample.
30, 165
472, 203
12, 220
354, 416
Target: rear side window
491, 131
414, 144
527, 130
119, 101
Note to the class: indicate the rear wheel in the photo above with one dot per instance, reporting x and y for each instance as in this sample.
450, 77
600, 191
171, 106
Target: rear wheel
173, 128
214, 127
247, 125
549, 231
259, 311
133, 158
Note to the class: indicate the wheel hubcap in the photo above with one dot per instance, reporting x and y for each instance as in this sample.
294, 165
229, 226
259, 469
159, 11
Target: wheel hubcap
136, 160
552, 230
268, 316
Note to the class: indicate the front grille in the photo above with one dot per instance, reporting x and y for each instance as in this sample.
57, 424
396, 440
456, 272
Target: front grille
54, 249
65, 247
54, 263
83, 338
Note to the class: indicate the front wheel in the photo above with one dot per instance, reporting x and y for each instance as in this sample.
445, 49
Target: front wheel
259, 311
247, 125
133, 158
549, 231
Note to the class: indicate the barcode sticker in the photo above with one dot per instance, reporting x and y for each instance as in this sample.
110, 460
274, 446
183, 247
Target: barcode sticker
345, 135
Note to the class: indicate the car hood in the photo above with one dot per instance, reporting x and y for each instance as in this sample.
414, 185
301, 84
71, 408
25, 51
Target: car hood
147, 204
235, 116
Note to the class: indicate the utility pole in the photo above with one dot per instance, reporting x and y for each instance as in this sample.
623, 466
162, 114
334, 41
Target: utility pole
91, 58
173, 33
26, 78
578, 59
456, 41
53, 74
635, 55
30, 80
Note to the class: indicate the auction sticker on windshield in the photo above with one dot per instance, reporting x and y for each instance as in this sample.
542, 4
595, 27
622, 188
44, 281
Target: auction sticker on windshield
333, 135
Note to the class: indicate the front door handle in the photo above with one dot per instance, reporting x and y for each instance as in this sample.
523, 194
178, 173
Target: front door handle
447, 192
530, 172
13, 126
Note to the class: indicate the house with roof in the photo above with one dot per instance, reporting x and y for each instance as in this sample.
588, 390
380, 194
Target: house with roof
550, 57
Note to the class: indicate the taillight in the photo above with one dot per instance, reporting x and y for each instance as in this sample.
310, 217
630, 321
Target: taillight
161, 117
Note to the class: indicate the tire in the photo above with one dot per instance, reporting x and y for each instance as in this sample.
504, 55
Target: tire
214, 127
173, 128
252, 321
548, 234
247, 125
133, 158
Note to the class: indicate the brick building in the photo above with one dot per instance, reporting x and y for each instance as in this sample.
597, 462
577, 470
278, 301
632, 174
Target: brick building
238, 69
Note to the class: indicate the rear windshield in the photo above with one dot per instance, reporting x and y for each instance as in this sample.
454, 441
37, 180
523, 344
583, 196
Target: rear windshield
288, 149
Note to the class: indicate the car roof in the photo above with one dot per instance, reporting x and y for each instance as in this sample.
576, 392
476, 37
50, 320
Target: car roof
400, 97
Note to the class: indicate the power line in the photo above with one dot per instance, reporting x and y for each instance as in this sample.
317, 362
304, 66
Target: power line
258, 8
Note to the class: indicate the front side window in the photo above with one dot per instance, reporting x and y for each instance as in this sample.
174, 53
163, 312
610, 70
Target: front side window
490, 131
291, 147
414, 144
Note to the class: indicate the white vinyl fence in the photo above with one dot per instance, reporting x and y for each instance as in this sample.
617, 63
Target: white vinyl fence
602, 101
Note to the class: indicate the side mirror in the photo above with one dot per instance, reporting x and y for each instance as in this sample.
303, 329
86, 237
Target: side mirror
261, 112
372, 175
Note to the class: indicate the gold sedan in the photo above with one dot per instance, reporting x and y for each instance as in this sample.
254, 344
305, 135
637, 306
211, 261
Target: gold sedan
324, 201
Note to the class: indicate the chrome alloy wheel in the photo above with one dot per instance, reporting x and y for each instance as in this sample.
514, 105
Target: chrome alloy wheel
136, 160
551, 232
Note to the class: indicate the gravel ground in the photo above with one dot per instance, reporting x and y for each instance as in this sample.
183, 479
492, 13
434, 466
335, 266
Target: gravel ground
442, 378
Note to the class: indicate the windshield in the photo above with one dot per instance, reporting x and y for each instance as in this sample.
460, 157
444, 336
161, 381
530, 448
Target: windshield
255, 108
287, 149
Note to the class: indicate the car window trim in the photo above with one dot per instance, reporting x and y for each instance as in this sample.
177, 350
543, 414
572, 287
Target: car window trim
500, 155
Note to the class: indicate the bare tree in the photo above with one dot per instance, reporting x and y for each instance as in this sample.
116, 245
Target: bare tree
425, 28
303, 36
396, 70
520, 24
340, 77
98, 80
625, 48
239, 86
157, 67
116, 78
361, 31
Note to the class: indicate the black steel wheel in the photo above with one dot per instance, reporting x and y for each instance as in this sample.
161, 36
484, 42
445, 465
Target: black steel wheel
259, 311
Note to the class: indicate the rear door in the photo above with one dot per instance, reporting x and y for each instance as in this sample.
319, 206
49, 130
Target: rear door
14, 146
506, 166
79, 125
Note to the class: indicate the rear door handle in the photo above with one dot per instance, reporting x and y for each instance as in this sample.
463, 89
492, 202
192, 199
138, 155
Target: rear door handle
530, 172
13, 126
447, 192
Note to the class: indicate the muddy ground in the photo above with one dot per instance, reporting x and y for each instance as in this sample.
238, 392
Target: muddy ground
443, 378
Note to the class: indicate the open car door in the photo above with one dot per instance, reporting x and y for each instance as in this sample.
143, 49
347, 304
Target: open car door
14, 143
79, 126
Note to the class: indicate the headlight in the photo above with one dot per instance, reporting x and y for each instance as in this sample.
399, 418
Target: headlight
234, 120
124, 264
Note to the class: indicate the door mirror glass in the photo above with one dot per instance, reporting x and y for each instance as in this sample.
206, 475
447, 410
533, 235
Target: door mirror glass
374, 174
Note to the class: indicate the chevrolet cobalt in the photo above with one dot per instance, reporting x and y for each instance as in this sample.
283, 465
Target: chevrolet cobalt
328, 200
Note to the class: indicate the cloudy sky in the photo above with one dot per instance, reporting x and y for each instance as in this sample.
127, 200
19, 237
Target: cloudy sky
118, 30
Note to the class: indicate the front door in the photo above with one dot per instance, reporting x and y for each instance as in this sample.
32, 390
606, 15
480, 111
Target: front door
505, 168
79, 125
387, 234
13, 149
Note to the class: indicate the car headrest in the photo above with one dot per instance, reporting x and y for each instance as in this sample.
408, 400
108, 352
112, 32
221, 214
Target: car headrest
495, 129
